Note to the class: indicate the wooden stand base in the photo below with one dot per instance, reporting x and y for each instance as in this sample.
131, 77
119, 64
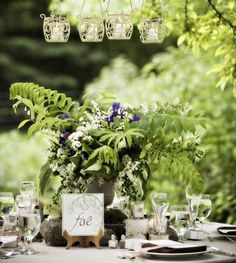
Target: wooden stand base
83, 240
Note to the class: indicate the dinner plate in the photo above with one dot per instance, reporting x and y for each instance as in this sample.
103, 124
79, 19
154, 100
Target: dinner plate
227, 231
172, 255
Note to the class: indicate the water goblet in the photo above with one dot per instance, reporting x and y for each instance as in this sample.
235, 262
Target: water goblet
27, 188
204, 208
160, 205
28, 226
193, 201
180, 219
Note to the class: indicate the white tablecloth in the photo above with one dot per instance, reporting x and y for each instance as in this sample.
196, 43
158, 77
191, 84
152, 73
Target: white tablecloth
105, 255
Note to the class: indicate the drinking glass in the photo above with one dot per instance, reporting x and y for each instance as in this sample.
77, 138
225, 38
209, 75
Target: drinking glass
22, 202
193, 201
27, 188
28, 225
6, 205
160, 205
180, 219
204, 208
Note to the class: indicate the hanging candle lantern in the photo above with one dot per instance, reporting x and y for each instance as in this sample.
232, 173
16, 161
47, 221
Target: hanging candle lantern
56, 28
91, 29
119, 26
152, 30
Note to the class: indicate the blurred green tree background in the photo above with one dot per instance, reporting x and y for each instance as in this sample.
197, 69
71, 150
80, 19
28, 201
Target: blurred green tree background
196, 62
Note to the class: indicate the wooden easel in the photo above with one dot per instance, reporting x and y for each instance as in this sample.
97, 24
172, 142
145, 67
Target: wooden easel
83, 240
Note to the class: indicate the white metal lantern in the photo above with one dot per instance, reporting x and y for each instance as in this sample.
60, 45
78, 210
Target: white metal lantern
119, 26
91, 29
56, 28
152, 30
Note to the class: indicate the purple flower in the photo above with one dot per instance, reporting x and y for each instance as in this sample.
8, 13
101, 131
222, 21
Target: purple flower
136, 117
65, 116
122, 113
115, 106
110, 119
64, 137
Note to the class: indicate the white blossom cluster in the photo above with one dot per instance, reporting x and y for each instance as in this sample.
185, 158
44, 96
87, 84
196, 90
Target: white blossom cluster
131, 170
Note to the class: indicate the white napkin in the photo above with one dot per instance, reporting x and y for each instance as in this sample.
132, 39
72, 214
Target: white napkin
8, 241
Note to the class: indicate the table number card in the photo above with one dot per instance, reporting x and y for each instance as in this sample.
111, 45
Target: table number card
82, 214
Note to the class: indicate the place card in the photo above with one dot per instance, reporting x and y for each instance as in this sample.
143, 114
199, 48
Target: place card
82, 214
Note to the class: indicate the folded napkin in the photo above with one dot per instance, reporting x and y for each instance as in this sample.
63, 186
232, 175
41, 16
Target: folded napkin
179, 248
8, 241
227, 230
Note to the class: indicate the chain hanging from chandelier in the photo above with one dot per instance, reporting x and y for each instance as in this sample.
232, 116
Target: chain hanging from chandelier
56, 28
118, 26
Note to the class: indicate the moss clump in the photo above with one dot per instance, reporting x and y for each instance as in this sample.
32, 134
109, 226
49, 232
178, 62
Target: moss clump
114, 216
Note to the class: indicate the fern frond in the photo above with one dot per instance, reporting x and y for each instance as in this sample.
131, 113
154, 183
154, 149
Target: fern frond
41, 103
105, 154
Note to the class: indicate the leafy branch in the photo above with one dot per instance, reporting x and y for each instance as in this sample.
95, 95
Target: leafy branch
222, 17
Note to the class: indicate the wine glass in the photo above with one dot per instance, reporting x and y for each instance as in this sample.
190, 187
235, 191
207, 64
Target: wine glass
21, 202
204, 208
27, 188
160, 205
28, 225
180, 219
193, 201
6, 205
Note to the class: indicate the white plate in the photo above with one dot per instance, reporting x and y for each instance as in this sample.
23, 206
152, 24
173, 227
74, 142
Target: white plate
172, 255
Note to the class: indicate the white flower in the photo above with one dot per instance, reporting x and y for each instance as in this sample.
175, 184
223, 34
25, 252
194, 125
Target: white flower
176, 101
144, 108
129, 173
122, 144
60, 151
153, 107
76, 145
54, 166
62, 170
70, 168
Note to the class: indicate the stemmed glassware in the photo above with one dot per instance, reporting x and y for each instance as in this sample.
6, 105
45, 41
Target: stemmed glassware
160, 205
180, 219
27, 188
6, 205
193, 201
29, 222
204, 209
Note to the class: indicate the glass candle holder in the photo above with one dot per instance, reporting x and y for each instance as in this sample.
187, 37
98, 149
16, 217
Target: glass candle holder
119, 26
91, 29
56, 28
137, 209
152, 30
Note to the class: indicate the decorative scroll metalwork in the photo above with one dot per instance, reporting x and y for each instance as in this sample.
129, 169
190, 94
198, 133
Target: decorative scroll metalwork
56, 28
91, 29
119, 26
152, 30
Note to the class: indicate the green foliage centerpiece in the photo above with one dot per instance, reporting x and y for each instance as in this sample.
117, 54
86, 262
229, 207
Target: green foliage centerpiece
111, 142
